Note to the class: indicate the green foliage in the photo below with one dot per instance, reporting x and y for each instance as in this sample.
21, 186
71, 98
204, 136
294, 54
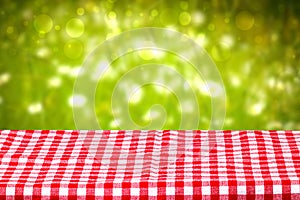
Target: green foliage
255, 44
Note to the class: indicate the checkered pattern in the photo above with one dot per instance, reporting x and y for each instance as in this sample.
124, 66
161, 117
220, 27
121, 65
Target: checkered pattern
149, 164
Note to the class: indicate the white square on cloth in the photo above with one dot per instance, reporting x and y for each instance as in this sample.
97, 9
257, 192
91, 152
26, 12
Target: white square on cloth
81, 191
277, 189
152, 191
28, 191
135, 191
99, 192
224, 190
188, 190
259, 189
241, 189
63, 191
295, 189
46, 191
117, 192
170, 191
206, 190
10, 191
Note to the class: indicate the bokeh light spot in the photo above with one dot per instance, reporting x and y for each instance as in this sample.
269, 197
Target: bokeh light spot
136, 96
43, 24
244, 20
80, 11
202, 39
4, 78
112, 15
149, 54
96, 9
74, 72
128, 13
154, 13
75, 28
214, 89
35, 108
221, 52
235, 80
115, 123
185, 18
184, 5
271, 82
54, 82
258, 39
57, 27
211, 27
279, 85
43, 52
146, 54
10, 30
77, 100
227, 20
64, 69
198, 18
228, 40
73, 49
256, 108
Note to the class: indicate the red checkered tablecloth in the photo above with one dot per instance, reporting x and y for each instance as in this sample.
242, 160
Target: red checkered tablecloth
149, 164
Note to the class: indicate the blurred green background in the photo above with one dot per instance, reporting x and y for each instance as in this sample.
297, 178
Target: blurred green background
255, 44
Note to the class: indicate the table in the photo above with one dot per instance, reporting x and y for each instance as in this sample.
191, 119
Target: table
67, 164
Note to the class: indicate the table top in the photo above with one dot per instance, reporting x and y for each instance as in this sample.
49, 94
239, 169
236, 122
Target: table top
48, 164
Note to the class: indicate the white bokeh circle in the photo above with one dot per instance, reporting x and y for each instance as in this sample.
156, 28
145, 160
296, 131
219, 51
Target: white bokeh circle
161, 39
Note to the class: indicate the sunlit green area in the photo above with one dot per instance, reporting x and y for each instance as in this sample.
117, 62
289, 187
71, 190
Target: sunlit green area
255, 45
